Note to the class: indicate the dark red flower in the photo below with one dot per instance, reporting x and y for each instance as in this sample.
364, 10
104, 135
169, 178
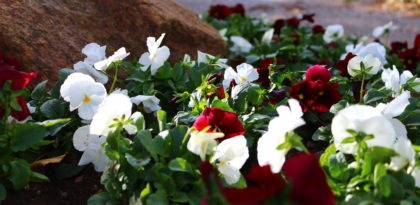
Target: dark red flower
262, 183
315, 96
293, 22
220, 92
221, 121
8, 71
263, 74
318, 73
342, 65
309, 183
397, 47
308, 17
318, 29
278, 25
276, 96
265, 63
411, 57
219, 11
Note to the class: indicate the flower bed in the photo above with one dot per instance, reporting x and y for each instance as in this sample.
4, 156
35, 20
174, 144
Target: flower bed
296, 114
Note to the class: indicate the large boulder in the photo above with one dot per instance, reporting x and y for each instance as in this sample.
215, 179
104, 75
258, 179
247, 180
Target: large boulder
47, 35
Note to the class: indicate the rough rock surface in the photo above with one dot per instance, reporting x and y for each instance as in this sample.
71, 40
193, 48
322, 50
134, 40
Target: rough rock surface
47, 35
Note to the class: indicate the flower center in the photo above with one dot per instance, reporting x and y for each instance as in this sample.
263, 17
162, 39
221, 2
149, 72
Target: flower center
222, 163
321, 93
301, 96
87, 99
244, 79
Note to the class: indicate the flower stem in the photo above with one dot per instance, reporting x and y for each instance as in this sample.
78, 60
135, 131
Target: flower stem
114, 80
361, 88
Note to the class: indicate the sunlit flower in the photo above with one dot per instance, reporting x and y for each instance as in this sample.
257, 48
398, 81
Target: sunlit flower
231, 155
156, 56
354, 66
333, 33
91, 146
115, 108
245, 74
289, 118
83, 93
240, 45
150, 102
218, 120
120, 54
375, 49
379, 31
203, 143
393, 80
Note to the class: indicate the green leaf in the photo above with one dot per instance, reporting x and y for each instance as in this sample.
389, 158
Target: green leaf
38, 177
157, 198
389, 187
55, 126
161, 116
380, 171
324, 159
26, 135
39, 91
255, 95
102, 198
137, 163
3, 192
375, 155
145, 192
179, 165
53, 109
222, 105
20, 173
145, 138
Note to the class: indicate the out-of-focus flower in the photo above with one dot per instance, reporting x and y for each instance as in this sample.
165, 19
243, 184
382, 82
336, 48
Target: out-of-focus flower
219, 121
221, 11
318, 29
375, 49
94, 53
120, 54
416, 175
88, 69
393, 80
342, 64
240, 45
156, 56
231, 155
150, 102
91, 146
397, 47
83, 93
245, 74
370, 62
318, 73
267, 37
406, 154
289, 118
411, 56
9, 71
206, 58
333, 33
202, 142
379, 31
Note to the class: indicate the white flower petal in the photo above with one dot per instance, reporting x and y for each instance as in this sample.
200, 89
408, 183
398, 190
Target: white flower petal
81, 138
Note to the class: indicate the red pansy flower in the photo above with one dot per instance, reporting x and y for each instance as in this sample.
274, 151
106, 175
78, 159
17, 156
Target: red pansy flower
397, 47
276, 96
318, 29
293, 22
411, 57
318, 73
263, 74
220, 11
221, 121
308, 17
8, 70
309, 183
238, 9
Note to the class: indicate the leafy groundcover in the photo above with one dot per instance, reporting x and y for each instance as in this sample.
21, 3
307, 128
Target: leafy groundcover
295, 114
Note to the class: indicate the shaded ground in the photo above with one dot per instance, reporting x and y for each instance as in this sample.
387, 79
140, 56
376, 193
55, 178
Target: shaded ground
357, 17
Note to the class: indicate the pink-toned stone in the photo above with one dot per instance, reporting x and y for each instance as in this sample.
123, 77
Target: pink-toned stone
47, 35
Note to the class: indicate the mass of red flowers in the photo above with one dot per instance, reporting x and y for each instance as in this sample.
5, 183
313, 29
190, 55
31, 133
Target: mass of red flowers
221, 11
316, 92
410, 56
303, 172
9, 71
221, 121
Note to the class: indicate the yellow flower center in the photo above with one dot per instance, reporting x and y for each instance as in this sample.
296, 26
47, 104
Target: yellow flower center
222, 163
244, 79
301, 96
86, 99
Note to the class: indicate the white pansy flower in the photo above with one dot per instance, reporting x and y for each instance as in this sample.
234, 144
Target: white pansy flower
83, 93
245, 74
94, 53
231, 154
375, 49
368, 61
150, 102
289, 119
203, 143
393, 80
204, 58
384, 29
88, 69
366, 119
120, 54
222, 34
406, 154
91, 146
156, 56
416, 175
333, 32
267, 37
240, 45
113, 108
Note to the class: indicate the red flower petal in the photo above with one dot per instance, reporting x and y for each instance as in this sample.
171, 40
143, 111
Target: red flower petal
318, 73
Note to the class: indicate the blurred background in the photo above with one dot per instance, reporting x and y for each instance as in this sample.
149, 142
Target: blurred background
358, 17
